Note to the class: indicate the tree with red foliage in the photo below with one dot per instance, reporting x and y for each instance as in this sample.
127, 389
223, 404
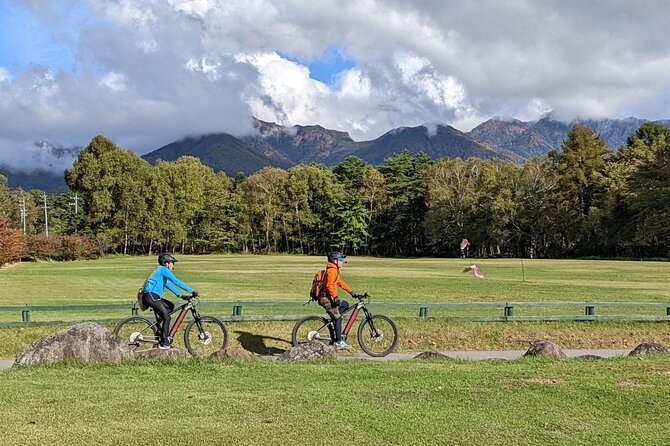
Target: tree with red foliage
11, 242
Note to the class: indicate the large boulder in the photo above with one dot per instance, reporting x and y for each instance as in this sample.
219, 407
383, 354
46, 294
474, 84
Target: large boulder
309, 350
546, 349
87, 342
649, 348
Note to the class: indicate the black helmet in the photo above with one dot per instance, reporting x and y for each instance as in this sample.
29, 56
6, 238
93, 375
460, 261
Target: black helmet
336, 255
166, 258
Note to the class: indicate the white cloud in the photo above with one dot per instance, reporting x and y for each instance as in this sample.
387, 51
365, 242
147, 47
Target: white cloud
114, 81
147, 72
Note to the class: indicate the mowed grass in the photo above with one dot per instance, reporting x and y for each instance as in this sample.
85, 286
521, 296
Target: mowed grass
621, 401
287, 278
284, 278
522, 402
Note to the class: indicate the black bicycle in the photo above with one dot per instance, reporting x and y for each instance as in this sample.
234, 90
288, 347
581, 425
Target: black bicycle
377, 334
203, 336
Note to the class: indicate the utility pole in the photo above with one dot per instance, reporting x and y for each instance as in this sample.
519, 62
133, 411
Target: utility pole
46, 216
24, 213
75, 202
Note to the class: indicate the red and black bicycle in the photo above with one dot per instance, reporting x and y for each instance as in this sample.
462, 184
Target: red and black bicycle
203, 336
377, 334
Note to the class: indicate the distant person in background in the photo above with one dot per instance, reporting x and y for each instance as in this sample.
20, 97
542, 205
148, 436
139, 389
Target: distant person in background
465, 245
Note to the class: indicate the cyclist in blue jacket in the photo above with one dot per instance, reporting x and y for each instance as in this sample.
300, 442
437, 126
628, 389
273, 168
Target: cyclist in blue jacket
152, 295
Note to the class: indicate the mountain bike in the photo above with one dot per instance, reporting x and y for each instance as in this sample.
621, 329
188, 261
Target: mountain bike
377, 334
203, 336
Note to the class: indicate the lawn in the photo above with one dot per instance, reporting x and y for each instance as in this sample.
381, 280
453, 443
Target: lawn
522, 402
284, 279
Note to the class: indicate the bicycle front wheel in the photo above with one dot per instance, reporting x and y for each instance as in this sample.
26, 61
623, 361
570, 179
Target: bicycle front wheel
139, 332
311, 328
377, 335
205, 336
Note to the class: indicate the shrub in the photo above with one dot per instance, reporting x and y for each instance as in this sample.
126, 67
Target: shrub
75, 247
11, 242
38, 247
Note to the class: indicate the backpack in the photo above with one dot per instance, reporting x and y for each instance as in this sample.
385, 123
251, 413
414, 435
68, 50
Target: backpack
317, 290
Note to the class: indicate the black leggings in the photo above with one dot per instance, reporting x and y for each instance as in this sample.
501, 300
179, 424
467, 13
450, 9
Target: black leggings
344, 305
162, 309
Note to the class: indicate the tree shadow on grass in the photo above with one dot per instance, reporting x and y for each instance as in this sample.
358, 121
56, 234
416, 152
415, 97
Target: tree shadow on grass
256, 343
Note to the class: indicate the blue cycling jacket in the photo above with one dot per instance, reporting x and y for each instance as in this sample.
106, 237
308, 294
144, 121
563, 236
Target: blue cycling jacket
163, 278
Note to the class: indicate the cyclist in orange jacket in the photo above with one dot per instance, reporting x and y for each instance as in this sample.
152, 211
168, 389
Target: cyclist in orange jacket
333, 305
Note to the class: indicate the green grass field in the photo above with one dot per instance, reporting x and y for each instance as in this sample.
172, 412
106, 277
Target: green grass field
198, 402
521, 402
280, 279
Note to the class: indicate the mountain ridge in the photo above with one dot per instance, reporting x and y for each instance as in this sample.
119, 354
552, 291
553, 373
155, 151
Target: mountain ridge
282, 146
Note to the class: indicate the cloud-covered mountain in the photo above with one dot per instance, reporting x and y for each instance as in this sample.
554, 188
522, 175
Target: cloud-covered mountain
281, 146
537, 138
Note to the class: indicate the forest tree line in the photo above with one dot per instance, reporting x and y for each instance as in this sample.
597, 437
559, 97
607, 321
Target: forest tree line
582, 200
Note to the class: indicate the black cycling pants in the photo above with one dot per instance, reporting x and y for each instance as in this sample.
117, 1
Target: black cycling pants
162, 309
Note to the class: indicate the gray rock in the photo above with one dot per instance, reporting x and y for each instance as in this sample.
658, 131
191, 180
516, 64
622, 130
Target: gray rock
431, 355
546, 349
309, 350
87, 342
234, 354
589, 357
649, 348
171, 353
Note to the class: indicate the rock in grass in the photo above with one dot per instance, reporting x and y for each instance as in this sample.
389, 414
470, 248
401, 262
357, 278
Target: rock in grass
171, 353
546, 349
589, 357
309, 350
649, 348
234, 354
87, 342
431, 355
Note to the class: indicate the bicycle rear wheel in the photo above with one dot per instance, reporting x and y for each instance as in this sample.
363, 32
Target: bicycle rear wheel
311, 328
377, 335
140, 333
205, 336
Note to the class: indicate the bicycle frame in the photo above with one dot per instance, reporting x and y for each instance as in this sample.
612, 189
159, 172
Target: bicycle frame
183, 309
355, 311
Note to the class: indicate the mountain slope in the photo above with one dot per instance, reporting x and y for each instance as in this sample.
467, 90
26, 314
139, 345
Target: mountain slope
45, 180
299, 144
445, 142
220, 151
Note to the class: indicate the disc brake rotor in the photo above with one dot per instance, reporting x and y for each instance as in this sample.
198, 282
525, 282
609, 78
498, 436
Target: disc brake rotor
205, 338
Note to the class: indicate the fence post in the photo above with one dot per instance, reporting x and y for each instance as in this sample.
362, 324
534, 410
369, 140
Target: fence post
423, 311
509, 310
237, 310
133, 310
589, 310
25, 314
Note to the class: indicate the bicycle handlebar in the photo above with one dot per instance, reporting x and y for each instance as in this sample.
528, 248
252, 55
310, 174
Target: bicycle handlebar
360, 297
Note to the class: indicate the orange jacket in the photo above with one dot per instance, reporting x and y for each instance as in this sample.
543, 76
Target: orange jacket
332, 280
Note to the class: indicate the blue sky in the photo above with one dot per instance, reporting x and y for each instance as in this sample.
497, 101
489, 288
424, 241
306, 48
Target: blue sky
25, 40
147, 72
327, 66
